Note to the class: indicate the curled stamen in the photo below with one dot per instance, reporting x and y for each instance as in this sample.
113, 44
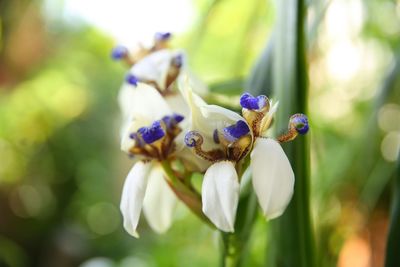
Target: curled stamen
235, 131
131, 79
152, 133
250, 102
119, 52
299, 122
194, 140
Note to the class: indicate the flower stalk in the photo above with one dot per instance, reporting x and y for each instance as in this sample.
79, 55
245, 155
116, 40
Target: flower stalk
186, 194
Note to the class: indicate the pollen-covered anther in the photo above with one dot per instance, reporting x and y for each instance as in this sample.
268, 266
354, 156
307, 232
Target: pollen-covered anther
119, 52
298, 124
237, 140
162, 36
254, 110
171, 122
259, 103
173, 72
161, 40
131, 79
157, 140
233, 142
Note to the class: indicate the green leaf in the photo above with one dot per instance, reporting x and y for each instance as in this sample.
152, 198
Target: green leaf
291, 240
393, 242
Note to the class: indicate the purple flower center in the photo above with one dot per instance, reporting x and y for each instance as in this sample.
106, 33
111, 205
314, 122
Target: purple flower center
152, 133
253, 103
235, 131
119, 52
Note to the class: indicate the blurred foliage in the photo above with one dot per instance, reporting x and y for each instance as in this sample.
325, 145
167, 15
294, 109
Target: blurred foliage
61, 170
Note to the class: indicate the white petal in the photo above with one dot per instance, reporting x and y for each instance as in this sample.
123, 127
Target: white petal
220, 195
132, 196
273, 177
143, 101
154, 67
206, 118
159, 202
178, 104
130, 126
191, 161
199, 87
266, 121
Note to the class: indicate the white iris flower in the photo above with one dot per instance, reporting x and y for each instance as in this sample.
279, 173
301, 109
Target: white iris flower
149, 138
224, 138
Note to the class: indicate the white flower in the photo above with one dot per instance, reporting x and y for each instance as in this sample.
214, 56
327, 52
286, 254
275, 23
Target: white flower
151, 133
224, 138
273, 177
221, 137
145, 182
145, 186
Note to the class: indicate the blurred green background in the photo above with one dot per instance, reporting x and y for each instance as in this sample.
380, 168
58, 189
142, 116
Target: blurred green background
61, 170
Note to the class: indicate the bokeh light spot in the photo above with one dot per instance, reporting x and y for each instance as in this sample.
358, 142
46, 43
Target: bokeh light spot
103, 218
390, 146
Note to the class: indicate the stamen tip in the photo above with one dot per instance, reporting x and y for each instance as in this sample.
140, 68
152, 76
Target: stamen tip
250, 102
131, 79
178, 117
235, 131
190, 140
178, 60
152, 133
300, 123
119, 52
162, 36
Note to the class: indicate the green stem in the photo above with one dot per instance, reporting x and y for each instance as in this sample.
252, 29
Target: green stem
234, 245
188, 196
393, 242
231, 250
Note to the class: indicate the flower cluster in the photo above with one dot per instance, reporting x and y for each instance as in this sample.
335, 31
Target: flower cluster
171, 132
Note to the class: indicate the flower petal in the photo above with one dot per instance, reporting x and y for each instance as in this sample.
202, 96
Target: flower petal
207, 118
142, 100
266, 121
220, 194
154, 67
159, 202
273, 177
132, 196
